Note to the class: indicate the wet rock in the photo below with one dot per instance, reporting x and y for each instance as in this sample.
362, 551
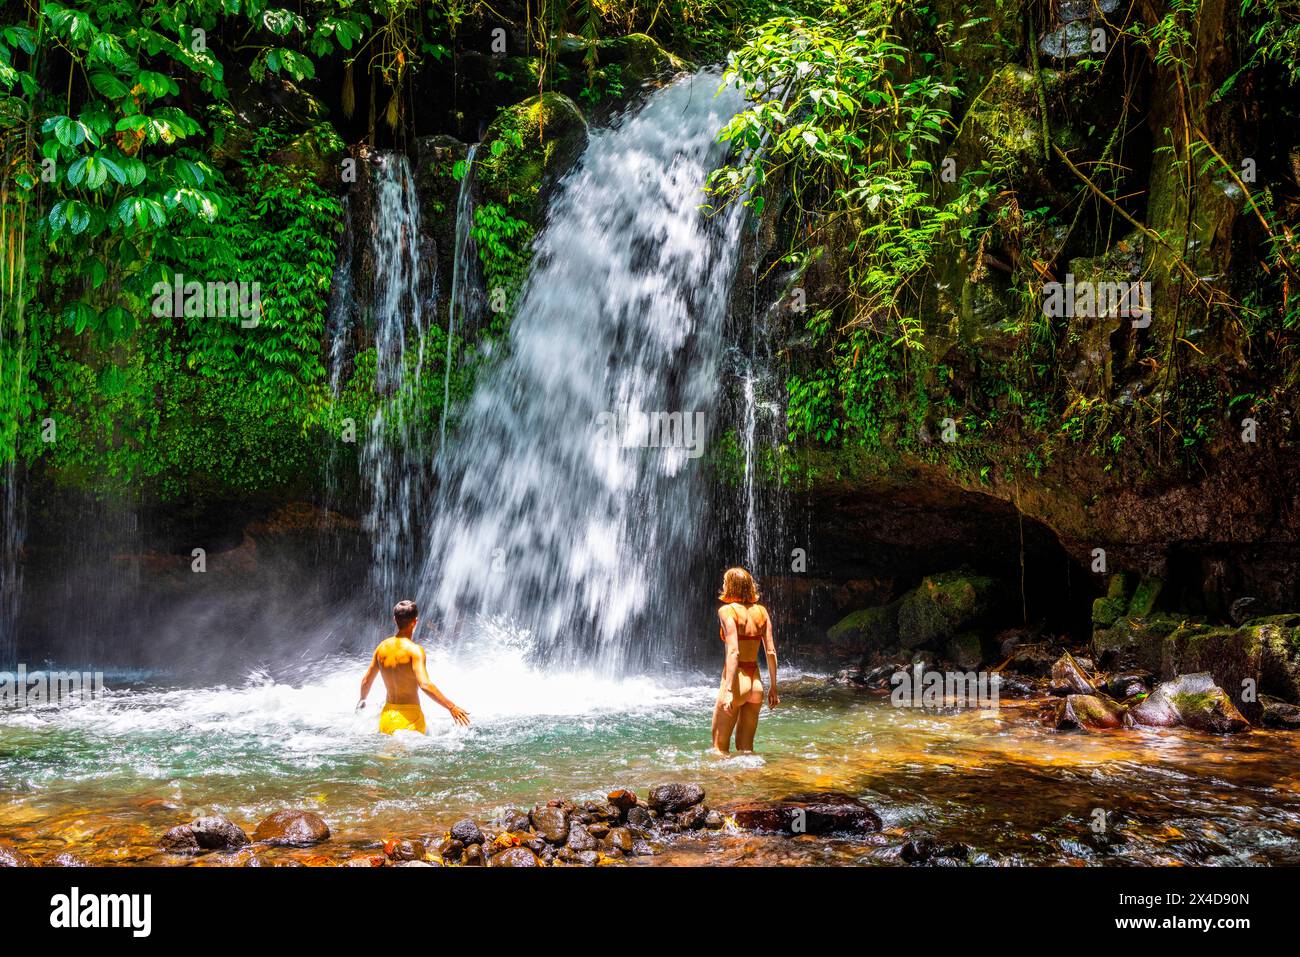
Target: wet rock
218, 834
10, 856
713, 820
1086, 712
1123, 686
587, 858
180, 840
474, 856
527, 149
292, 829
692, 819
623, 799
1069, 678
640, 817
552, 823
923, 849
1033, 660
405, 850
451, 849
516, 820
1191, 700
1009, 686
515, 857
598, 830
466, 832
66, 859
620, 838
641, 848
809, 814
580, 839
675, 797
1278, 713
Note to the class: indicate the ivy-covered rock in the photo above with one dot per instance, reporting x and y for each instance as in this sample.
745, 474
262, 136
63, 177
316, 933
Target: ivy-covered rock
527, 149
1194, 701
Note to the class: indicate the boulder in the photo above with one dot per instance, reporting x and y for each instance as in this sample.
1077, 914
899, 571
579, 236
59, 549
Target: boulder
964, 650
475, 856
943, 605
180, 840
620, 839
514, 857
623, 798
1126, 685
580, 839
866, 631
1191, 700
675, 797
217, 833
808, 814
552, 823
1087, 712
1277, 713
292, 829
527, 149
516, 820
466, 832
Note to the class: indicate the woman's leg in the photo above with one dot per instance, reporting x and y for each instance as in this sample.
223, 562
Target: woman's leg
747, 724
723, 725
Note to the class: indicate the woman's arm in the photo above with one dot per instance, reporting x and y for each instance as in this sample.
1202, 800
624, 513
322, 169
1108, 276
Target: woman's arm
769, 645
733, 658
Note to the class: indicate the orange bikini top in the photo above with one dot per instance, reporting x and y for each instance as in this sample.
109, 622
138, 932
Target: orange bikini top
722, 631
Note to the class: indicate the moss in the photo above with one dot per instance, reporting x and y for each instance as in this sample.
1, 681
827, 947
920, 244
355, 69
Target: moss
869, 629
1145, 596
528, 147
641, 57
943, 605
1107, 611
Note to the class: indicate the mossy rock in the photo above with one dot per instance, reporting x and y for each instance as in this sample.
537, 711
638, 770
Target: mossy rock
1232, 656
1003, 127
1119, 585
641, 58
527, 149
943, 605
1107, 611
1193, 700
871, 629
965, 650
1145, 596
318, 152
1141, 640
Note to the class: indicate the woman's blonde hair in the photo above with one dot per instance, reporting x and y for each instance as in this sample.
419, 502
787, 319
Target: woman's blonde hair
738, 586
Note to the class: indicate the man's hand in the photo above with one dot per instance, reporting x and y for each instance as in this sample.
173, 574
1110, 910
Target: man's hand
459, 716
772, 699
361, 704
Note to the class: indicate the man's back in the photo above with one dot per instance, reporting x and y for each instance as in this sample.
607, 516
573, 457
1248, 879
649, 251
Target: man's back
397, 658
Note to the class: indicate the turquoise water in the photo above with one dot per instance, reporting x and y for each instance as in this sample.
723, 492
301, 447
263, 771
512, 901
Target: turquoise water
105, 778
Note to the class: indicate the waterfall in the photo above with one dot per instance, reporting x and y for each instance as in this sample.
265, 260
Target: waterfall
11, 543
571, 502
465, 296
395, 454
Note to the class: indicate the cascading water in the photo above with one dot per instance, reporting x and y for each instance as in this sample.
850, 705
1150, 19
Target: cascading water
395, 454
11, 541
571, 502
466, 298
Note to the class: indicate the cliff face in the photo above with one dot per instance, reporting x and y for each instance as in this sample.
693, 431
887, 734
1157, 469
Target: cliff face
1156, 437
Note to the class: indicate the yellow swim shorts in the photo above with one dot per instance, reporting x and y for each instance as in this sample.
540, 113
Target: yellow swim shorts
401, 717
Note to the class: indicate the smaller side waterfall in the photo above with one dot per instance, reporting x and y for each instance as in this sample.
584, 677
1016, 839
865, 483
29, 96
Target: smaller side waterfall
465, 303
11, 569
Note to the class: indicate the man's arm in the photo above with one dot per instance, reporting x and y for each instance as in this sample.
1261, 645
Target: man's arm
429, 688
368, 679
733, 658
769, 645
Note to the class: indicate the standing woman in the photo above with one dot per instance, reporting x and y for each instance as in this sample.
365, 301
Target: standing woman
744, 626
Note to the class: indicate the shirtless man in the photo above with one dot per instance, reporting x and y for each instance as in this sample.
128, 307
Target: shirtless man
401, 661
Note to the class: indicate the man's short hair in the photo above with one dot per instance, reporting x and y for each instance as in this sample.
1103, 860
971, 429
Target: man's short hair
405, 612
